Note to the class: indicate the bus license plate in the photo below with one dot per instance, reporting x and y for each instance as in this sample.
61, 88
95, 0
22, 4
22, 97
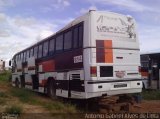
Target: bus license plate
120, 85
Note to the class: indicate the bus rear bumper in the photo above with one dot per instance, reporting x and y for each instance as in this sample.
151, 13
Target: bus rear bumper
112, 88
112, 93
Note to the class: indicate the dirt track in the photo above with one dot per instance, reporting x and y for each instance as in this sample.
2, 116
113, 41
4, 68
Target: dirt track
152, 106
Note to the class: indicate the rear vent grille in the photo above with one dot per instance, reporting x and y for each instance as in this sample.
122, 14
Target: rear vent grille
106, 71
75, 77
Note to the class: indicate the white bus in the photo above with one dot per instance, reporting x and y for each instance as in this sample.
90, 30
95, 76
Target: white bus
95, 55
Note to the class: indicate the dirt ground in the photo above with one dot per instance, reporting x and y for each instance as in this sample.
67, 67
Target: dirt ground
110, 105
147, 106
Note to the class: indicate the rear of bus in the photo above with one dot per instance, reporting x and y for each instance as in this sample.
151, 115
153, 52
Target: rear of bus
114, 58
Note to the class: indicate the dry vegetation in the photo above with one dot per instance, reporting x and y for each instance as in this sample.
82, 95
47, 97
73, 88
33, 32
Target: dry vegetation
22, 101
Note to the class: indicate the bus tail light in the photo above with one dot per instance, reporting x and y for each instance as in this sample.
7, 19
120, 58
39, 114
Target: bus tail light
93, 71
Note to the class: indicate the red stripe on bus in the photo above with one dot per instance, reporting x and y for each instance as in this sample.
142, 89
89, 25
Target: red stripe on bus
44, 82
100, 57
144, 74
48, 66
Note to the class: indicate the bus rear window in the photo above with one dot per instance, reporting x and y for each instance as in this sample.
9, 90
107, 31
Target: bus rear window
106, 71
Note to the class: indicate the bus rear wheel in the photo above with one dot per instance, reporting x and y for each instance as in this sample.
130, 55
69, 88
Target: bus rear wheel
51, 90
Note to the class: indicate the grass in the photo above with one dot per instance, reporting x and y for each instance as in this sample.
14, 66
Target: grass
29, 97
14, 109
3, 95
5, 76
56, 106
4, 82
151, 95
26, 96
2, 102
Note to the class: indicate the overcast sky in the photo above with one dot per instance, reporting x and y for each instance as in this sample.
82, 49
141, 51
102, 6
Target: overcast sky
24, 22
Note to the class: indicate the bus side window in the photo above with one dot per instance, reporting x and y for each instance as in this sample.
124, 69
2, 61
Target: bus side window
51, 46
80, 35
27, 54
13, 64
45, 49
35, 51
16, 58
40, 51
59, 43
68, 40
19, 56
31, 52
75, 37
24, 56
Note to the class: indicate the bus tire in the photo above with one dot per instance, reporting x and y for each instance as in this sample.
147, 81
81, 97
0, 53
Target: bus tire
17, 83
51, 90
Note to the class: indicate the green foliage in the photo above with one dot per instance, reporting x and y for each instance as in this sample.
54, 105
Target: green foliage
14, 109
57, 106
24, 95
3, 95
30, 97
151, 94
5, 76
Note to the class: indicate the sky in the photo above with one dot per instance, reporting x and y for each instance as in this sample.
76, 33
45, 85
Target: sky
24, 22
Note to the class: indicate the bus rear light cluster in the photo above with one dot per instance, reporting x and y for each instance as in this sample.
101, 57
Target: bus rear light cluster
93, 71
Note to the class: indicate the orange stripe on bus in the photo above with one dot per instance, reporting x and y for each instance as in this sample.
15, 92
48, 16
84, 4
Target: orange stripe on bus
108, 51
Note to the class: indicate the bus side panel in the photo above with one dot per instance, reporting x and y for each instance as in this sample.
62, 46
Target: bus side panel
69, 60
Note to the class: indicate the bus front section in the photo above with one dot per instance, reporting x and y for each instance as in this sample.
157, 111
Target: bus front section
114, 56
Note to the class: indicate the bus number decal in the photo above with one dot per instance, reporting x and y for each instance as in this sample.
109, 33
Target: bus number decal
77, 59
